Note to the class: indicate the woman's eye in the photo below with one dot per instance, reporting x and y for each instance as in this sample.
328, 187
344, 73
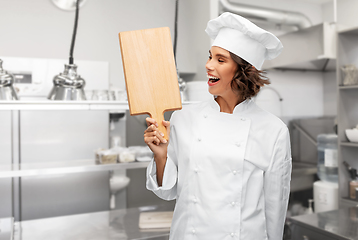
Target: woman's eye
220, 60
210, 57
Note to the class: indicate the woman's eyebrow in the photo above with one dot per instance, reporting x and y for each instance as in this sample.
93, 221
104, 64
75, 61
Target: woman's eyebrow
219, 55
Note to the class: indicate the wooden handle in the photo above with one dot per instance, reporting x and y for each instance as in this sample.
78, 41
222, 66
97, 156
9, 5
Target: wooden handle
159, 117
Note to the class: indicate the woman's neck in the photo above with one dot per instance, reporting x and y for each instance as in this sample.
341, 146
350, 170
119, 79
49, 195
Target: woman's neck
228, 105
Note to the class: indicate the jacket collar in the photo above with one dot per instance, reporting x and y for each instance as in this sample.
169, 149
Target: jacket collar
241, 108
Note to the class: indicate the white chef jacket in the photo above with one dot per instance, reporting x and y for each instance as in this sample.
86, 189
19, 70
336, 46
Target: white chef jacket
229, 173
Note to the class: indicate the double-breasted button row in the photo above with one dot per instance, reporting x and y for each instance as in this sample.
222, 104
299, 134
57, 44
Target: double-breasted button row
238, 144
206, 116
193, 231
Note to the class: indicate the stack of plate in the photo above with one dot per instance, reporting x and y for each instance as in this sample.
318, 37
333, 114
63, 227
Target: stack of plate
198, 91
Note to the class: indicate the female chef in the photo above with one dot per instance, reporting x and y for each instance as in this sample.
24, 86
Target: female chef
227, 162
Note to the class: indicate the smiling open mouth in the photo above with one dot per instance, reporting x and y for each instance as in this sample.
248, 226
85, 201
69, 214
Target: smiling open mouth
213, 79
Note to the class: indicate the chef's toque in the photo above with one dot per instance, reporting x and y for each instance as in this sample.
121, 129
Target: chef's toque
243, 38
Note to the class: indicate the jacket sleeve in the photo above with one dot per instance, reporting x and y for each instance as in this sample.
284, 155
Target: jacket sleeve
168, 190
277, 186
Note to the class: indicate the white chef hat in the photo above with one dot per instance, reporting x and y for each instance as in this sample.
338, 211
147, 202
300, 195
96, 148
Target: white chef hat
243, 38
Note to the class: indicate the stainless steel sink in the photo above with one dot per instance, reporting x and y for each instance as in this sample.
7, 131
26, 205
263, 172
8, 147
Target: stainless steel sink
302, 177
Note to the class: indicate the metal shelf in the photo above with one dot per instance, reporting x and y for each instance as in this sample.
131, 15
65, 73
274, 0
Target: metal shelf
349, 144
349, 201
348, 30
76, 166
105, 225
348, 87
63, 105
66, 105
346, 111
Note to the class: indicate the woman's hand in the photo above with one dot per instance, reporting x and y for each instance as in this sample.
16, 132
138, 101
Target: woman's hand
157, 143
155, 140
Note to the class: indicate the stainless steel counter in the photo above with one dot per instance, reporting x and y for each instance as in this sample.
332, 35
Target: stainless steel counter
71, 166
118, 224
339, 224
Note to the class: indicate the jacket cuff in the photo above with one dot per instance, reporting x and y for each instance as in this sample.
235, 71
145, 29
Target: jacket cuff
169, 176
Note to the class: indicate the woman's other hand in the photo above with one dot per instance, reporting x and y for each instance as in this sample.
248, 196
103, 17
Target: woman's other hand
155, 139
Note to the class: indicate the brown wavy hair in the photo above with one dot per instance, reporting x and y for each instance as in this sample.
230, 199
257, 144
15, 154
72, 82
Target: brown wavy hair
247, 81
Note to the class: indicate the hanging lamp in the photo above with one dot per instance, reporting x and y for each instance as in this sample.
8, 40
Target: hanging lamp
69, 85
67, 5
7, 91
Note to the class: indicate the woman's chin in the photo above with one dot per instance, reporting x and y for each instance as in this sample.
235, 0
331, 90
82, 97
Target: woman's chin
211, 92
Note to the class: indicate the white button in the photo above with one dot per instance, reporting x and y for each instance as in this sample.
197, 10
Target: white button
199, 139
238, 144
233, 203
193, 231
196, 170
194, 200
232, 234
205, 116
234, 172
243, 119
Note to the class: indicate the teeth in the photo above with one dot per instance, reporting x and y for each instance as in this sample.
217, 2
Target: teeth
212, 77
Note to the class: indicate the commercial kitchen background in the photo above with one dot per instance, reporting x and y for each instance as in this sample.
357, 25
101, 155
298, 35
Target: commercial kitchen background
37, 29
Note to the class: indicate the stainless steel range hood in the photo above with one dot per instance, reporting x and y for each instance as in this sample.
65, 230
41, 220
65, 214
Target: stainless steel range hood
312, 48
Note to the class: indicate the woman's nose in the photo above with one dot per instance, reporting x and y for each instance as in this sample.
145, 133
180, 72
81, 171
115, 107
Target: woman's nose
208, 65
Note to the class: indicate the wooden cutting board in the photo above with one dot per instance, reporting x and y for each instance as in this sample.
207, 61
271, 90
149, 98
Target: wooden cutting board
150, 73
149, 220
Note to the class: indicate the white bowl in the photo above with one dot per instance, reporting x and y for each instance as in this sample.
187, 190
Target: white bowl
117, 183
352, 134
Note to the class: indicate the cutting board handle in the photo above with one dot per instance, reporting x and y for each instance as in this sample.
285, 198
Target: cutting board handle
159, 117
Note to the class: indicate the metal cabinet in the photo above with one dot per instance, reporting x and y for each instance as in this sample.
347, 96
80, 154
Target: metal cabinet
47, 165
43, 137
6, 156
338, 224
304, 233
347, 53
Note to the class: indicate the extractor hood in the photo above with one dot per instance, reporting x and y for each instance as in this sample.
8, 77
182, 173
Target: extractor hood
312, 48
